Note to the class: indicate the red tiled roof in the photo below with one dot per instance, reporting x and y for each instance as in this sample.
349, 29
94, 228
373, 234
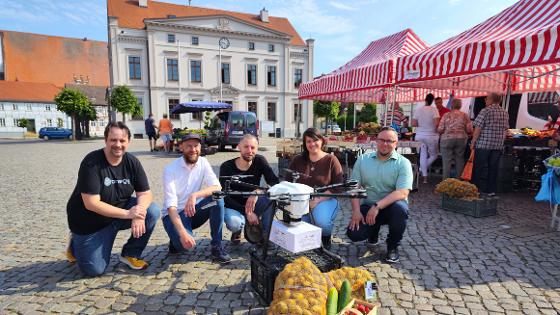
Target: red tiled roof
130, 15
52, 59
27, 92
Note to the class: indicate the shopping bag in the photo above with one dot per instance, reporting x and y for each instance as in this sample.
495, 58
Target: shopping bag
467, 170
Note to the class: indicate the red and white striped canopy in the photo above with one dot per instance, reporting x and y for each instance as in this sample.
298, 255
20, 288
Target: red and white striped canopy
364, 78
520, 44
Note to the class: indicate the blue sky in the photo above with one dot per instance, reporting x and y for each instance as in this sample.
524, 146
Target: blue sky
341, 29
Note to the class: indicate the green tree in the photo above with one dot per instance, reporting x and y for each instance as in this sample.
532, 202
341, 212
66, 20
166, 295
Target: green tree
328, 110
75, 104
22, 123
367, 114
207, 119
123, 100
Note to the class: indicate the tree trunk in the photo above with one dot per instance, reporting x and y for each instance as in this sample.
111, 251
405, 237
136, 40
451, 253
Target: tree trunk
73, 127
123, 117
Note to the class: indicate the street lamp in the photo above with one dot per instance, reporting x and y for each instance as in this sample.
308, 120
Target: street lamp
223, 43
345, 117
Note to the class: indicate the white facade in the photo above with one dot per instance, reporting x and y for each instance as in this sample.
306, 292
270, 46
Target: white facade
40, 114
157, 89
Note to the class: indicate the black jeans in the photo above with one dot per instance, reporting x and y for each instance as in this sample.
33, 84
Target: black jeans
394, 215
486, 166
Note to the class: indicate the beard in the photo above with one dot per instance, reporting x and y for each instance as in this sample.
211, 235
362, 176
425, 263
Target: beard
248, 158
192, 158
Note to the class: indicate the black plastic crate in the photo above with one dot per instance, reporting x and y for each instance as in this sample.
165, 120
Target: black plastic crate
264, 270
485, 207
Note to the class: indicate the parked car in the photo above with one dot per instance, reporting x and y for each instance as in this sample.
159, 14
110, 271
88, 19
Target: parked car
334, 129
54, 133
228, 128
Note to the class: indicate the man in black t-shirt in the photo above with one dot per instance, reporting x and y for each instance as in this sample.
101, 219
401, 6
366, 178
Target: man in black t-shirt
237, 207
102, 204
150, 127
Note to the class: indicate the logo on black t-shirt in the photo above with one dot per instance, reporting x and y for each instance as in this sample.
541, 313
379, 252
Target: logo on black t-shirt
108, 182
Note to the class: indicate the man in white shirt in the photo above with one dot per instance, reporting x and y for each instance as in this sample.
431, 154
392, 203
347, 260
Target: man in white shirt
188, 184
426, 120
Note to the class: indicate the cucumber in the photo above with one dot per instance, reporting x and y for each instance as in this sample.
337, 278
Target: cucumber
332, 302
344, 296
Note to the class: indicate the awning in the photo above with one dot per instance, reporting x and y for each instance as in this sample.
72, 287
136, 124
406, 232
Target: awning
366, 77
519, 45
199, 106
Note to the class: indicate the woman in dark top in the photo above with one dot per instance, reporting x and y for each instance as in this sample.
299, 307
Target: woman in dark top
317, 169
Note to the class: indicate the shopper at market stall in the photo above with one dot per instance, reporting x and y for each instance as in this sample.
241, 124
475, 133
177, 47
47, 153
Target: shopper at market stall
165, 128
237, 208
102, 205
188, 184
490, 129
442, 110
426, 119
317, 169
395, 116
454, 129
387, 177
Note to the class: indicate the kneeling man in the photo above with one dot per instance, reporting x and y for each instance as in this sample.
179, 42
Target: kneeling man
188, 184
387, 177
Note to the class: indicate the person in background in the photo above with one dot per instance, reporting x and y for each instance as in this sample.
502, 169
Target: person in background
454, 128
237, 208
442, 110
395, 117
166, 133
426, 119
317, 169
150, 127
490, 129
387, 178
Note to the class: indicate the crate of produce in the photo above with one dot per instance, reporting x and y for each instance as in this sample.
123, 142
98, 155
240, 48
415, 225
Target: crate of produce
359, 307
264, 270
487, 206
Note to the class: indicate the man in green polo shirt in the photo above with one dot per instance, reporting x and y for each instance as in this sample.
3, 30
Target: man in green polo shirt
387, 177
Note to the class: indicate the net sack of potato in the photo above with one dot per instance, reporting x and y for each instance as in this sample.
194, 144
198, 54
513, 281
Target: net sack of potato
300, 288
356, 276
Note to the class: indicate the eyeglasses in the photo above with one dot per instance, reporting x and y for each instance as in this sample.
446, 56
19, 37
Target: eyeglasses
385, 141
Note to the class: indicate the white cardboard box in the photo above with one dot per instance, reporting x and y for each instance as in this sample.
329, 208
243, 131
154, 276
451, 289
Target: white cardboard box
295, 237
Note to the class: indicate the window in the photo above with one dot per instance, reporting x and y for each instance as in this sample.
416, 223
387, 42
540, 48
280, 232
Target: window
252, 107
140, 102
196, 71
59, 123
16, 122
252, 74
93, 124
194, 40
225, 73
271, 75
48, 107
271, 111
251, 46
297, 113
172, 69
270, 47
197, 116
14, 107
1, 106
170, 38
2, 122
49, 123
251, 121
29, 107
134, 72
298, 77
172, 103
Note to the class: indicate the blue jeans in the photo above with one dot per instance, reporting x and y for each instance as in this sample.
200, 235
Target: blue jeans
485, 167
204, 210
93, 251
235, 220
395, 215
323, 215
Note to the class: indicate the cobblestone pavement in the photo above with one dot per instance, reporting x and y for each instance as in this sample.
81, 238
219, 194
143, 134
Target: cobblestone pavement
450, 263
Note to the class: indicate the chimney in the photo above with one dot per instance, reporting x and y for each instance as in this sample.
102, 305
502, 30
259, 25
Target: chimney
143, 3
264, 15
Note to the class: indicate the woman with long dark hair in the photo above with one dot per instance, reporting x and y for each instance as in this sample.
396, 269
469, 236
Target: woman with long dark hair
317, 169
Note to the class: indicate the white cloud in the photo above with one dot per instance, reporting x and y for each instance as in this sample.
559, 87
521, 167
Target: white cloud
342, 6
82, 12
453, 2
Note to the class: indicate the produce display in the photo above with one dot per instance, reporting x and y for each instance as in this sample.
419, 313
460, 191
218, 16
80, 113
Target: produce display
458, 189
301, 288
